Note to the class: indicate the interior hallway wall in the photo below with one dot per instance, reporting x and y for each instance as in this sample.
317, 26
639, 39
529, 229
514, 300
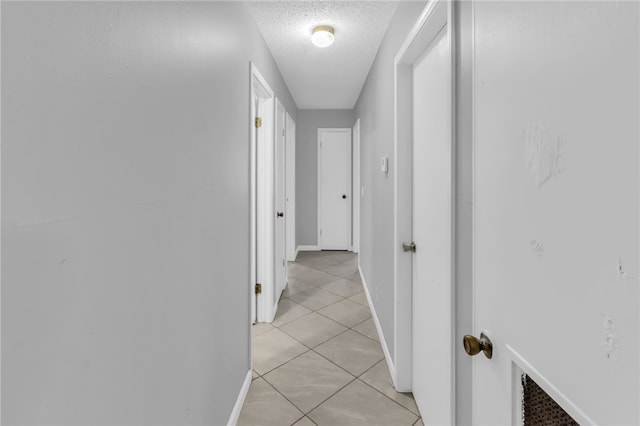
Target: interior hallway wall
309, 120
125, 187
376, 114
375, 110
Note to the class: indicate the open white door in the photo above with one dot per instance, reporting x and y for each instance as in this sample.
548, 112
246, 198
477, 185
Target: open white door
424, 216
556, 208
334, 189
262, 199
280, 256
290, 211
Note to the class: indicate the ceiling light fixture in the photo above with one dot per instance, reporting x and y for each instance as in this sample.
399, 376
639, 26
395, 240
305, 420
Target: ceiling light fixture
322, 36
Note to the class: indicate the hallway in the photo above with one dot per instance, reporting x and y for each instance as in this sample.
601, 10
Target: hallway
320, 361
162, 161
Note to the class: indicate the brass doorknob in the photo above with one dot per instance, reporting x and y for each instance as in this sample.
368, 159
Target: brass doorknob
473, 346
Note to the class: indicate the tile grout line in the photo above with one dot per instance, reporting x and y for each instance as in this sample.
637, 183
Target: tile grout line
354, 377
286, 362
358, 377
389, 398
332, 395
282, 395
309, 348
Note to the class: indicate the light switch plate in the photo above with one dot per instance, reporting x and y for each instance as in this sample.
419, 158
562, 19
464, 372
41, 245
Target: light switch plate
384, 164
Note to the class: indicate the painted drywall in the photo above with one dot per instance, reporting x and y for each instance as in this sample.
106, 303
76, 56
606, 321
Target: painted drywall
376, 255
307, 124
125, 210
375, 110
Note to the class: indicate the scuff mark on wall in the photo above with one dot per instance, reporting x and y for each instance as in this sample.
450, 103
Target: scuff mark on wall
537, 247
623, 275
542, 153
609, 341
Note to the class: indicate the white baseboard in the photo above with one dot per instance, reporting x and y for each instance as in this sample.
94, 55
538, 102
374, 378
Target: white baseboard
244, 390
307, 248
383, 341
292, 258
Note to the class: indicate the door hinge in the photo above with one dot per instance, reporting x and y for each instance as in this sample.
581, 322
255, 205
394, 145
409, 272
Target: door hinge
321, 232
258, 122
282, 132
258, 288
283, 263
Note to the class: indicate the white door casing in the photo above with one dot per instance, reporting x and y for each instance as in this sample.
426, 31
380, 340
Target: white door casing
262, 197
556, 207
280, 255
290, 211
355, 191
423, 209
334, 189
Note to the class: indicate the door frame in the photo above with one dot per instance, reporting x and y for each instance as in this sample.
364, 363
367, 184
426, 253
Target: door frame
290, 192
279, 109
355, 191
262, 198
319, 178
436, 15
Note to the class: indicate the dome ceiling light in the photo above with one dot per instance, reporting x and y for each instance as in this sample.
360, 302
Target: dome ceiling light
322, 36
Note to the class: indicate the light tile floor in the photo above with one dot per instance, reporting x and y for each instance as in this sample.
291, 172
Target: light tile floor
320, 361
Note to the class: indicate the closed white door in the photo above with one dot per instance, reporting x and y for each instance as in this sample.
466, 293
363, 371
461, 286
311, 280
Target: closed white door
280, 203
432, 234
556, 208
334, 189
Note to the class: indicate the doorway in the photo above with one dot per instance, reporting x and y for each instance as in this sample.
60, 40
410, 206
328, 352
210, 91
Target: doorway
334, 189
424, 207
290, 211
355, 200
262, 224
280, 243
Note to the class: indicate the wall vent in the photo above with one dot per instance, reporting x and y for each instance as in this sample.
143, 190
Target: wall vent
539, 409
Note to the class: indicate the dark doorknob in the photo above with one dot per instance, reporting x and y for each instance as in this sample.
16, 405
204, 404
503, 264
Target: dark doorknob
280, 214
344, 196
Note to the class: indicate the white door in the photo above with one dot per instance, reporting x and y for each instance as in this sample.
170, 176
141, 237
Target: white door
280, 203
432, 234
290, 212
262, 222
334, 189
556, 208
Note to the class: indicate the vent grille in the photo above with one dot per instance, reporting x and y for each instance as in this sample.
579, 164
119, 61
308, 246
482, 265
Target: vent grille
539, 409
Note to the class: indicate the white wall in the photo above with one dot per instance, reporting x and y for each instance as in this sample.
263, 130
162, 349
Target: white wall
125, 210
307, 124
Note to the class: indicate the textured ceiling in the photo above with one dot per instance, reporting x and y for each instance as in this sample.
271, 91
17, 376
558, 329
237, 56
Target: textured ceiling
331, 77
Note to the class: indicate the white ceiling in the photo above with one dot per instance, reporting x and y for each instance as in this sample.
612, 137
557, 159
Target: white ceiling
329, 78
